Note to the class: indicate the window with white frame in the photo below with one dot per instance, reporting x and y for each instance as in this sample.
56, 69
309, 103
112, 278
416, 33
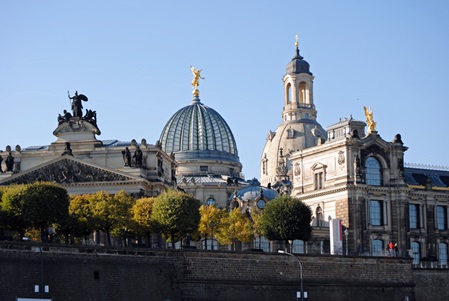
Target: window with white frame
413, 213
376, 213
377, 247
319, 175
441, 217
318, 180
373, 172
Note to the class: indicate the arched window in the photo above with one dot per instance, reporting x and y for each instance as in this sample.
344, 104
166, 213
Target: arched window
416, 253
373, 172
210, 201
303, 92
319, 216
442, 253
377, 247
298, 247
289, 93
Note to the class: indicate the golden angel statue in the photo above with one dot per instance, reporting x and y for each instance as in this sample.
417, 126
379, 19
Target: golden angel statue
196, 77
369, 119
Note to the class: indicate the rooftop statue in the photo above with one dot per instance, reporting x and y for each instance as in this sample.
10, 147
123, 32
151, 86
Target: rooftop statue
196, 80
77, 106
369, 119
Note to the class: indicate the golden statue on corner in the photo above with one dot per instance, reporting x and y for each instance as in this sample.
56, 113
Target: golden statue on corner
369, 119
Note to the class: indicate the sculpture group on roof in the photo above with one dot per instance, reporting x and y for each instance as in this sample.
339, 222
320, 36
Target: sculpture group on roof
77, 110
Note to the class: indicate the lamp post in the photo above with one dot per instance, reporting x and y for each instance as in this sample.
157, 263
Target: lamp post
300, 270
73, 228
211, 224
346, 236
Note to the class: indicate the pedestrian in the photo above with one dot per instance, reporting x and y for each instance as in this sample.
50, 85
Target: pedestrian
391, 248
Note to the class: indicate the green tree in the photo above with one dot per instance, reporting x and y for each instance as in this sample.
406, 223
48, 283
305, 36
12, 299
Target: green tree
286, 218
210, 221
13, 205
141, 214
234, 226
45, 203
176, 214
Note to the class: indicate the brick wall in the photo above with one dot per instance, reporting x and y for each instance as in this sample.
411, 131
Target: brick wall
97, 274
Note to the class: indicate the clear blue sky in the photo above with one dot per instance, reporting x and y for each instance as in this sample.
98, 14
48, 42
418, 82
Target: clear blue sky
132, 58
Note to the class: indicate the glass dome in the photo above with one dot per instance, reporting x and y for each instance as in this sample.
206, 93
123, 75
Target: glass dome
198, 132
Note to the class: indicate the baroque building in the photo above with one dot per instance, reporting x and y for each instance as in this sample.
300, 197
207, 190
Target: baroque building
354, 181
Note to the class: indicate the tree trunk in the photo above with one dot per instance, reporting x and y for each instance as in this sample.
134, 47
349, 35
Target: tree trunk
148, 239
173, 241
108, 236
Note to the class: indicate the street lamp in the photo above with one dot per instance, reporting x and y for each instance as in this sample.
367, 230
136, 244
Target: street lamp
346, 236
211, 224
300, 270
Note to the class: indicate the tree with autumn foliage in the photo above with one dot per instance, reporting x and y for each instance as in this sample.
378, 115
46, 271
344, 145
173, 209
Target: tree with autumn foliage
210, 221
80, 209
234, 226
141, 215
124, 224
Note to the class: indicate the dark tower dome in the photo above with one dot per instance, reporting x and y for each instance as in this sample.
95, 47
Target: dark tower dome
298, 64
199, 132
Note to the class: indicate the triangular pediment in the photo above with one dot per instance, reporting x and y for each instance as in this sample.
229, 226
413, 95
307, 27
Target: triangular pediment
67, 170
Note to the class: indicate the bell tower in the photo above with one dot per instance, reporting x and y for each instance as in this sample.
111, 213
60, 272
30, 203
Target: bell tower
298, 90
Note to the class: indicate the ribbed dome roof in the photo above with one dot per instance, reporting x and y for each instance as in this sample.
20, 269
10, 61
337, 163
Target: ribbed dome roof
199, 132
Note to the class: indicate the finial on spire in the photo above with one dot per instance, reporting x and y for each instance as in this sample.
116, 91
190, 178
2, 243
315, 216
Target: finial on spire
196, 81
297, 49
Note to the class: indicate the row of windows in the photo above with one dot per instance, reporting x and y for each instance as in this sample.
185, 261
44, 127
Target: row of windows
377, 215
378, 248
415, 217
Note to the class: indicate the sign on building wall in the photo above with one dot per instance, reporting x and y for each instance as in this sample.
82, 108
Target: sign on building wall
336, 236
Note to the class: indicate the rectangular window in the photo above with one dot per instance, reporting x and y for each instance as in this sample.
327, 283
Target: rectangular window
441, 217
204, 168
413, 212
319, 181
442, 253
377, 247
376, 213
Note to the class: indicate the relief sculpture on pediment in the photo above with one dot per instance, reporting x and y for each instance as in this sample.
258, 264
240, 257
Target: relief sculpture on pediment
66, 172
